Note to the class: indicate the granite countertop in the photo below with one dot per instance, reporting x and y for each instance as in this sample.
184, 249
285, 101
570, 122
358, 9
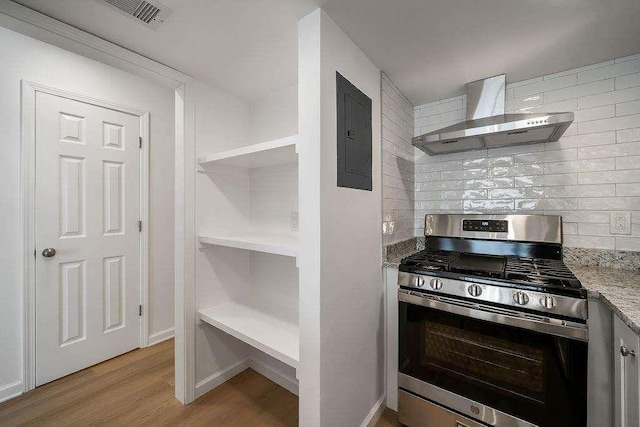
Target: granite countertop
619, 288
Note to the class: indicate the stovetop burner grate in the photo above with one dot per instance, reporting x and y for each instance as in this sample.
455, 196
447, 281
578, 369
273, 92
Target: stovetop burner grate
549, 273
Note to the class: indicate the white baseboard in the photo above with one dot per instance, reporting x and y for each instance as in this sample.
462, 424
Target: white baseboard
158, 337
11, 390
375, 413
213, 381
283, 380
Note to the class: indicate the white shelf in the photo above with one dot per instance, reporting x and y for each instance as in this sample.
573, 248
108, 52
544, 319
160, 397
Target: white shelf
270, 243
270, 153
269, 328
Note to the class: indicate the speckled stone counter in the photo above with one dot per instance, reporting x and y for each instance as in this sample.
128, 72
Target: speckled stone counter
617, 288
393, 253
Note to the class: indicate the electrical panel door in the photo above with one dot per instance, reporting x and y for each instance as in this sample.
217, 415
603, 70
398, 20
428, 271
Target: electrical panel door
354, 136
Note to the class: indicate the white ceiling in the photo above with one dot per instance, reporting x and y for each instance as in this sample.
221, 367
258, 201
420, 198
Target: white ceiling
430, 49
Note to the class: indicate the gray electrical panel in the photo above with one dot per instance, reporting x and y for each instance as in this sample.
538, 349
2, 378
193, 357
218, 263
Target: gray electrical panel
354, 136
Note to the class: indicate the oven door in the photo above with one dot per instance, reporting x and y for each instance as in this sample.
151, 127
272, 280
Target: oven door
496, 366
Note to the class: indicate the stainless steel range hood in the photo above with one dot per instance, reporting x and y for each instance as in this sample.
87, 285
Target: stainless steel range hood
487, 126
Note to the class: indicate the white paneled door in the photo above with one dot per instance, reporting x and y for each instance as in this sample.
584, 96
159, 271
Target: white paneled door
87, 236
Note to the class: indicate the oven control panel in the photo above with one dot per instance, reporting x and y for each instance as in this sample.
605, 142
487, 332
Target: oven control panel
491, 225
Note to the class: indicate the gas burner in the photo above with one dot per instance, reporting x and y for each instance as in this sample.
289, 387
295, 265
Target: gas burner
540, 271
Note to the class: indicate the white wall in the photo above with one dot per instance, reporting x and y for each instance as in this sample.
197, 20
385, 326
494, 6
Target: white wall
274, 116
25, 58
592, 171
348, 288
398, 164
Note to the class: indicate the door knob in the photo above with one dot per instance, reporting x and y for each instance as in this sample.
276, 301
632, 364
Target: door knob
624, 351
48, 252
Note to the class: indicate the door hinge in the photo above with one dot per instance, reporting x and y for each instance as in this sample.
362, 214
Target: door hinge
140, 226
140, 142
140, 310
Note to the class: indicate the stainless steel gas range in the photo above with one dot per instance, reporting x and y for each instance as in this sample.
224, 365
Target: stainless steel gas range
492, 326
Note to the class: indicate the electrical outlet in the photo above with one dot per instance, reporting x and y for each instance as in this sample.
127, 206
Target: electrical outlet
294, 221
620, 223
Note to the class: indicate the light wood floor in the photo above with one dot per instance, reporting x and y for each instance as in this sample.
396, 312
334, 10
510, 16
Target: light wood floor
137, 389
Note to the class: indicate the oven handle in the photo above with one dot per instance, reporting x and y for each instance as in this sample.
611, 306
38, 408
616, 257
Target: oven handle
561, 328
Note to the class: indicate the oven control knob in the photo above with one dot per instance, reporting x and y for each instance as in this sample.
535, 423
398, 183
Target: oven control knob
436, 284
521, 298
474, 290
549, 302
418, 281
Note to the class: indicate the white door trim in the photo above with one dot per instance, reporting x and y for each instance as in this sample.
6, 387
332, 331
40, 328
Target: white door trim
46, 29
28, 186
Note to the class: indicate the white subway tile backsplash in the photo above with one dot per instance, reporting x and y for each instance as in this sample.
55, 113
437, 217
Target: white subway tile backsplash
398, 178
630, 80
591, 171
610, 203
592, 229
618, 150
573, 141
627, 108
464, 194
628, 190
582, 216
566, 105
628, 135
618, 176
628, 243
463, 174
569, 228
578, 91
517, 170
453, 116
595, 113
577, 70
593, 242
475, 163
604, 125
517, 104
628, 58
428, 121
489, 183
501, 161
489, 205
548, 156
545, 85
608, 98
615, 70
439, 108
630, 162
581, 190
514, 85
593, 164
546, 180
517, 193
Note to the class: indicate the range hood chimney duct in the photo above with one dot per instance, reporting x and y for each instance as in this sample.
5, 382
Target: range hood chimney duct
487, 126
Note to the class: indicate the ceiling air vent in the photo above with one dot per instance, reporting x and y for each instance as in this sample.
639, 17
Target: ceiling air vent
150, 13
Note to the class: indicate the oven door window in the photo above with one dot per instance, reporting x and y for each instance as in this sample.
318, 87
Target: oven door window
533, 376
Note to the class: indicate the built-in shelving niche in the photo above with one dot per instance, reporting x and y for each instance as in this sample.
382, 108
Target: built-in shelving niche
246, 205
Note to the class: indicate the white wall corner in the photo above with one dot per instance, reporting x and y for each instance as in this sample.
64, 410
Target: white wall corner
11, 390
376, 412
278, 377
214, 380
158, 337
